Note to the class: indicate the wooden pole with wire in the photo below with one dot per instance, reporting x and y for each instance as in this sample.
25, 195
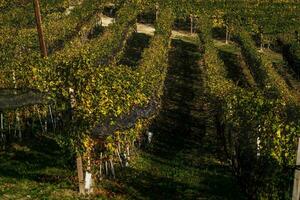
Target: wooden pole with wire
38, 20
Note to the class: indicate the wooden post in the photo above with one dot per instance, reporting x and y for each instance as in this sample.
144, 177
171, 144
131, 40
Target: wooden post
17, 113
2, 126
106, 168
156, 11
80, 174
38, 20
261, 42
51, 117
100, 171
112, 168
119, 156
296, 189
227, 35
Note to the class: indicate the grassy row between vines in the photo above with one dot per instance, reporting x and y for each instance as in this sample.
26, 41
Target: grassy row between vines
265, 75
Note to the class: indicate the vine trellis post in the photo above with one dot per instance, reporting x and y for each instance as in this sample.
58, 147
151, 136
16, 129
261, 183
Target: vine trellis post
38, 20
296, 189
80, 174
192, 23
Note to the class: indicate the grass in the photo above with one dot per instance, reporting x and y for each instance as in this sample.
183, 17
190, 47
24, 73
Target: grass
184, 177
36, 169
237, 69
273, 56
192, 39
231, 47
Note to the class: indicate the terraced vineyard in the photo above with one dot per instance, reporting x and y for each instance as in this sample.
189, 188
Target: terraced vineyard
149, 99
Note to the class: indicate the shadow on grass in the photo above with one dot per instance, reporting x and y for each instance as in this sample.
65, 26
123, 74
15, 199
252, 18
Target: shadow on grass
40, 160
134, 48
211, 183
234, 69
176, 119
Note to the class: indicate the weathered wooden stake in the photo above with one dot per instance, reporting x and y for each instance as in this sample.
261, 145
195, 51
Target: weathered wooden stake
296, 189
261, 43
19, 126
119, 147
128, 152
119, 156
100, 22
227, 35
51, 116
38, 20
100, 171
2, 125
40, 118
112, 168
156, 11
106, 168
80, 174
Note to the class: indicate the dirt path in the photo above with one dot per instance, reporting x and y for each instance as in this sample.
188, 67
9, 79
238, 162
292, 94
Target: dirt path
147, 28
